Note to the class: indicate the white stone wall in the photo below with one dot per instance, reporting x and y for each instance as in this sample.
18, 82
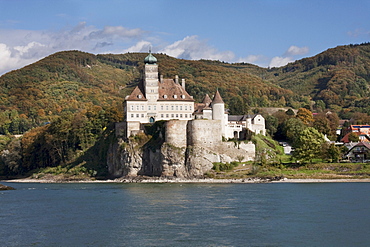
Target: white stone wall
258, 125
162, 110
175, 133
206, 133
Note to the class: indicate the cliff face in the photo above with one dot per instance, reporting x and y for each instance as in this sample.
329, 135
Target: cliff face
156, 157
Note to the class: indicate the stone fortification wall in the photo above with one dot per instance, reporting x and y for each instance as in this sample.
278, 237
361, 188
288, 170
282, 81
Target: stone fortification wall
207, 133
187, 150
175, 133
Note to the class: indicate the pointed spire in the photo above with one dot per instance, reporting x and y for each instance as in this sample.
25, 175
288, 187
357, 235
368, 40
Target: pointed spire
150, 59
217, 98
207, 100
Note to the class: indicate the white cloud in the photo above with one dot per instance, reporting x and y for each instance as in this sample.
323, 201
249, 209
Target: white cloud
280, 61
253, 59
192, 48
21, 47
358, 32
116, 31
288, 56
11, 58
295, 50
141, 46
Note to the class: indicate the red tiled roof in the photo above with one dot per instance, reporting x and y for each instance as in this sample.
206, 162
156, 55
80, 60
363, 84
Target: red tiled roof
171, 91
168, 90
137, 94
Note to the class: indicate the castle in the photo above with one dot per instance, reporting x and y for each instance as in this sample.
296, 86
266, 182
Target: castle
156, 98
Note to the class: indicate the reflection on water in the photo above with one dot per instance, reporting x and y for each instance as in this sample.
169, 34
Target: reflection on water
185, 215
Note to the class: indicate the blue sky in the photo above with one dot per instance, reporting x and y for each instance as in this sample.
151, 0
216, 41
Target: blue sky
262, 32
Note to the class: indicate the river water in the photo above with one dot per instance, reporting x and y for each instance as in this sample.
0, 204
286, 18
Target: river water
282, 214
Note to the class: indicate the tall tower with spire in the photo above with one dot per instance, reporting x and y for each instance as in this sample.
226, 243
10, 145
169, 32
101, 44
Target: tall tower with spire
151, 78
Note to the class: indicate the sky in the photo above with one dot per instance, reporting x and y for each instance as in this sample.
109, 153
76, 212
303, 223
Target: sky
267, 33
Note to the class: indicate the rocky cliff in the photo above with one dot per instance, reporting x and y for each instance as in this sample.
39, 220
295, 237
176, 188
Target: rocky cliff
150, 155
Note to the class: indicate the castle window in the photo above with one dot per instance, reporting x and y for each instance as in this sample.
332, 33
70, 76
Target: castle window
186, 107
132, 115
155, 108
183, 96
175, 96
189, 107
180, 107
171, 115
166, 107
161, 107
137, 107
177, 108
165, 96
139, 96
142, 108
172, 107
161, 115
142, 115
132, 108
180, 115
149, 108
151, 90
177, 115
137, 115
186, 115
166, 115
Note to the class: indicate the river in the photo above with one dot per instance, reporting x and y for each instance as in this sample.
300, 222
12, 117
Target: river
97, 214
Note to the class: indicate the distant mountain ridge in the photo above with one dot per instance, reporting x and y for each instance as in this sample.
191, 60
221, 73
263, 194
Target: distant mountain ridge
72, 80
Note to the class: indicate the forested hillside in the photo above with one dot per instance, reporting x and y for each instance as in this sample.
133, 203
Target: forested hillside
67, 82
338, 79
64, 103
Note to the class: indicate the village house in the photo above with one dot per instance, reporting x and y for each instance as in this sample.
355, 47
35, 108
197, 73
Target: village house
359, 152
363, 132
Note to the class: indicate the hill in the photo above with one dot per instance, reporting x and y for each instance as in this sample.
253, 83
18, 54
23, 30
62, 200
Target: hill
338, 78
66, 82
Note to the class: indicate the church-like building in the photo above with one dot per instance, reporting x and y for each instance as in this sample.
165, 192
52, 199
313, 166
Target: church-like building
157, 99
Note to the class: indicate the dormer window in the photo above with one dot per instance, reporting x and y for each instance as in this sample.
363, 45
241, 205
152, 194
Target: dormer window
165, 96
139, 96
175, 96
183, 96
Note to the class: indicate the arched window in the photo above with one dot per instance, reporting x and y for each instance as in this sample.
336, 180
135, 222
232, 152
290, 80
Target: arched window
151, 119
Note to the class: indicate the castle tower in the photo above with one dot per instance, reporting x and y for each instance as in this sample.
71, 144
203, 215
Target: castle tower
151, 78
218, 110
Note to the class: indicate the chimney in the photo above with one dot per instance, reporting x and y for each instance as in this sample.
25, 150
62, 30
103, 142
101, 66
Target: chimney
177, 79
183, 83
161, 78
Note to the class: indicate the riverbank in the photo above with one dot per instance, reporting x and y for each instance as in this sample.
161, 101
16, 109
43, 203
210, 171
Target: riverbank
195, 180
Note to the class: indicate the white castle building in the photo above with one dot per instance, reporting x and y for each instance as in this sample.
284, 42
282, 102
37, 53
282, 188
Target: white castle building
157, 99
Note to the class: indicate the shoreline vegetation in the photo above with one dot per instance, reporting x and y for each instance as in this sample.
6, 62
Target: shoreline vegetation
238, 172
148, 180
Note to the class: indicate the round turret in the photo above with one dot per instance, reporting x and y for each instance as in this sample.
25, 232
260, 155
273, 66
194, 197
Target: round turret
150, 59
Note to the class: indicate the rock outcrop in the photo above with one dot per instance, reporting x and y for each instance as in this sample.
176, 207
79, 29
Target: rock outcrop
4, 187
151, 155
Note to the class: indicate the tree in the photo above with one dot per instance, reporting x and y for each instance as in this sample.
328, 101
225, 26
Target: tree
322, 124
353, 137
305, 116
292, 129
237, 105
271, 124
308, 145
331, 152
